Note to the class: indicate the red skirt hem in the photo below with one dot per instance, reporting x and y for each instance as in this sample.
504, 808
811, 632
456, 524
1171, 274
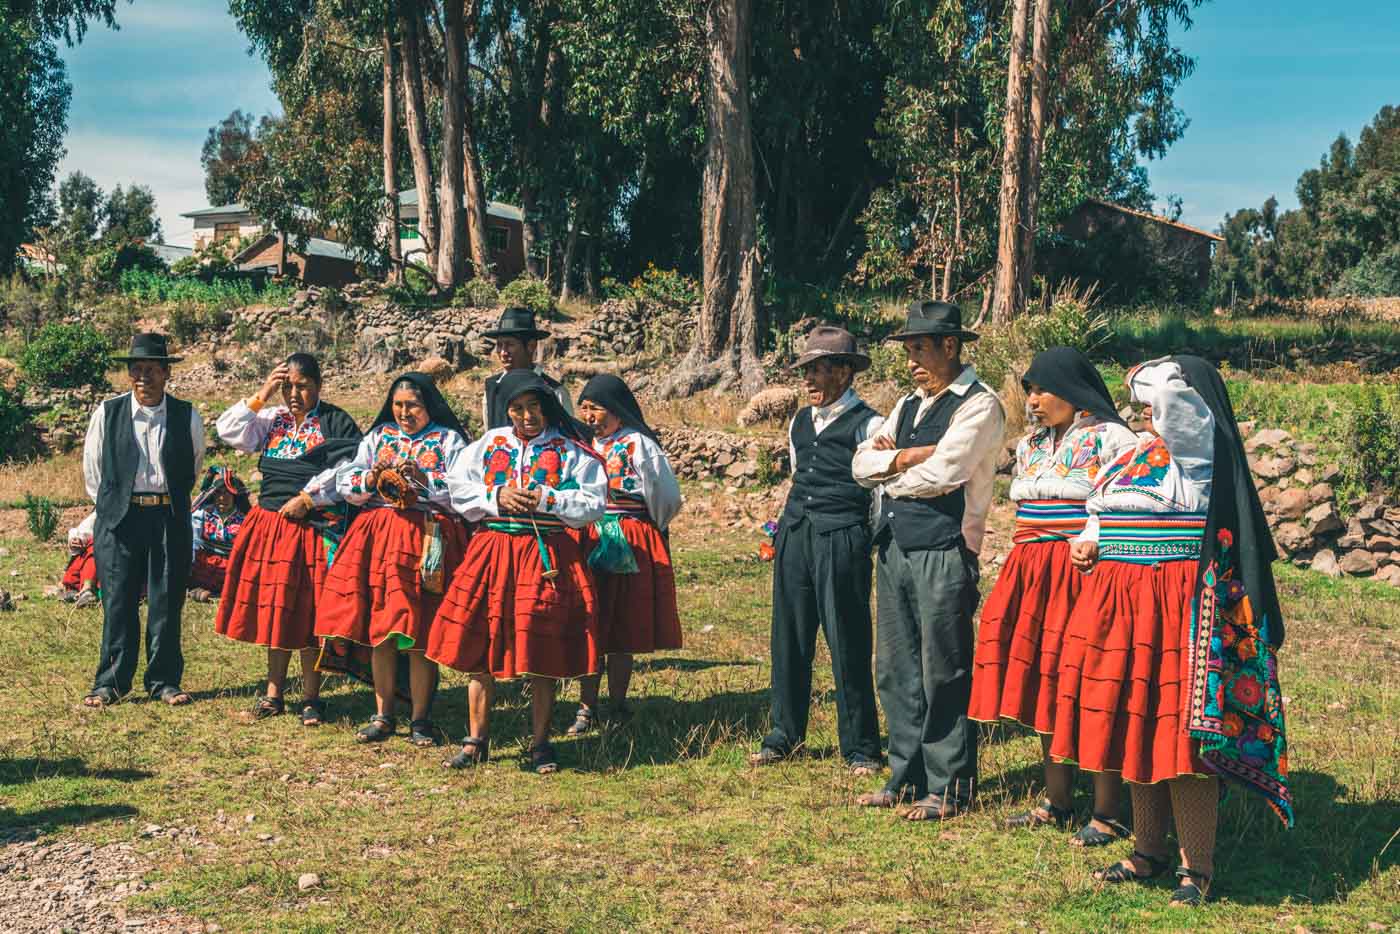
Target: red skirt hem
637, 613
275, 573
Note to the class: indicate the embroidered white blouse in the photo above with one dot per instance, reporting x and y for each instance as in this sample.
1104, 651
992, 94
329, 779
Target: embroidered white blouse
571, 477
1166, 472
434, 449
273, 430
1068, 470
637, 468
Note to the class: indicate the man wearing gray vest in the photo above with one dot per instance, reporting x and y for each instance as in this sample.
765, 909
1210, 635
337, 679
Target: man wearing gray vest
935, 459
821, 566
143, 451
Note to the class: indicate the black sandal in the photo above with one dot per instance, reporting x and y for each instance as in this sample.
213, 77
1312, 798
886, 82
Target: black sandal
1192, 890
543, 760
1042, 815
422, 733
265, 707
377, 730
474, 752
1090, 836
313, 712
583, 721
1121, 873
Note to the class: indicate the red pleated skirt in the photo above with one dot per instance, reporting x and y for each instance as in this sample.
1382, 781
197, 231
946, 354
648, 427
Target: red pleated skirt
1123, 673
1017, 660
637, 612
81, 567
501, 616
275, 573
373, 589
208, 571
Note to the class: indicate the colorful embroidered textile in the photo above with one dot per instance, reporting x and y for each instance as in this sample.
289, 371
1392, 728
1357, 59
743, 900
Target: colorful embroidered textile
1048, 520
215, 532
393, 446
1150, 538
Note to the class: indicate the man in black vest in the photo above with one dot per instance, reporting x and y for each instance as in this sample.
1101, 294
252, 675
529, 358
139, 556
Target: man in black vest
517, 341
935, 460
143, 451
821, 569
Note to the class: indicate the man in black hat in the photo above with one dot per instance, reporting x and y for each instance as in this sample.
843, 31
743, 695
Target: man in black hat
517, 341
821, 568
143, 451
934, 459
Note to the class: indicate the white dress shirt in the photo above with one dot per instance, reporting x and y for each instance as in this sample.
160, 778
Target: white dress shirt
149, 424
966, 455
824, 415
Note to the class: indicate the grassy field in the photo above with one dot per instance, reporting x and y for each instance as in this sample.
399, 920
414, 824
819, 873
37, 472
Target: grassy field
660, 823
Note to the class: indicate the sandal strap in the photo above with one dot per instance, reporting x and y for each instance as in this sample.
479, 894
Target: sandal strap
1114, 824
476, 742
382, 720
1158, 864
1194, 877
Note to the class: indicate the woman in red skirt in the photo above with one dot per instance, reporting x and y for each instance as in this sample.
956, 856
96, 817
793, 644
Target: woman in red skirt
522, 603
279, 558
1167, 675
1075, 431
216, 517
387, 579
628, 549
80, 577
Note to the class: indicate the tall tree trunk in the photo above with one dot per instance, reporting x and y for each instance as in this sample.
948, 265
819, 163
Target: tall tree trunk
529, 227
391, 158
452, 237
724, 352
566, 266
415, 115
473, 182
1035, 144
1007, 298
590, 248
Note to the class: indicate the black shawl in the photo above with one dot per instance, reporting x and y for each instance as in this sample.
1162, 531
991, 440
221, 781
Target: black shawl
613, 394
496, 416
518, 382
439, 412
283, 478
1069, 374
1234, 502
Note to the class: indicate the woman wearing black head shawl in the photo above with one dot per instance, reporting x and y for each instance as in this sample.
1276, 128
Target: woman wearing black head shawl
280, 557
636, 586
522, 602
388, 578
1167, 673
1074, 432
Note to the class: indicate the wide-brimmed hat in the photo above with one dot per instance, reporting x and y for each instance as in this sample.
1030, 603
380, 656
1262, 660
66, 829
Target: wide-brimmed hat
149, 346
934, 319
835, 344
517, 322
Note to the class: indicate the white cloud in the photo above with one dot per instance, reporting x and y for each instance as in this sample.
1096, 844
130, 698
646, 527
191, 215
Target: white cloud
197, 16
172, 173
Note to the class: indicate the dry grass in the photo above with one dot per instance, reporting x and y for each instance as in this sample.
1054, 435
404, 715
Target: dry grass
58, 478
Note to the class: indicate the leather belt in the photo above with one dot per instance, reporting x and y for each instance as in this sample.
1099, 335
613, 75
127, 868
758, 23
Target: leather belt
150, 499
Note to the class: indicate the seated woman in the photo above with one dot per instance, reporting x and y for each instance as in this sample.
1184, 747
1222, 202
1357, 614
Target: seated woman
386, 583
1168, 673
279, 559
216, 516
522, 602
630, 555
80, 577
1075, 431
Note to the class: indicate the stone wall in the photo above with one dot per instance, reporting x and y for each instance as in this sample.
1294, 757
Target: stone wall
723, 458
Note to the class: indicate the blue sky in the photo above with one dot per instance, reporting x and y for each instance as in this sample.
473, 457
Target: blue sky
1274, 84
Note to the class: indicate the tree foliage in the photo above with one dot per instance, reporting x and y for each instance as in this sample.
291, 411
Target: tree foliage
225, 148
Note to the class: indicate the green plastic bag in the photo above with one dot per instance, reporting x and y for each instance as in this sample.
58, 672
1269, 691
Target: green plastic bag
613, 555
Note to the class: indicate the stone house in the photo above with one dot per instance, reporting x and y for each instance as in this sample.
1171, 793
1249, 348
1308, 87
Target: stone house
319, 262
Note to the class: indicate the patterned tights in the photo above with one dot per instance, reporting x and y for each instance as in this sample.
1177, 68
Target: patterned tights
1193, 801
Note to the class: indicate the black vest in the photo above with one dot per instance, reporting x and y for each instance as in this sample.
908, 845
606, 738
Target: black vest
925, 524
120, 457
823, 489
496, 416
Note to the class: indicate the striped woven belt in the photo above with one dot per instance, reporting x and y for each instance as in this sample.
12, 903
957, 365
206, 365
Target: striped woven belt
1048, 520
627, 506
1151, 537
520, 524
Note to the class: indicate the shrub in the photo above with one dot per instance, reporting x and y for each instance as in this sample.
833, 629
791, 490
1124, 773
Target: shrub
115, 319
1376, 276
42, 516
479, 293
106, 264
14, 423
664, 286
529, 292
1373, 442
67, 356
1070, 320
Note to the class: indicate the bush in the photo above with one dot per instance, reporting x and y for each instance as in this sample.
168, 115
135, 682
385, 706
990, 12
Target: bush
15, 439
664, 286
208, 291
42, 516
67, 356
188, 322
529, 292
1376, 276
479, 293
1070, 320
106, 264
1373, 442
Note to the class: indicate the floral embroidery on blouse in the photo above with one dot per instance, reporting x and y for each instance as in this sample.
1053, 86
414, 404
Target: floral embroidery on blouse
394, 446
623, 479
287, 440
547, 463
217, 530
1144, 467
1080, 460
500, 462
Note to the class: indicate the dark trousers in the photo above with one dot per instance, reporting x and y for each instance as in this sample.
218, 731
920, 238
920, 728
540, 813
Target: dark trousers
923, 661
822, 580
150, 546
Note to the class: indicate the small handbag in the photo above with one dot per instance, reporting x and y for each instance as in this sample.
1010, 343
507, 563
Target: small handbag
612, 555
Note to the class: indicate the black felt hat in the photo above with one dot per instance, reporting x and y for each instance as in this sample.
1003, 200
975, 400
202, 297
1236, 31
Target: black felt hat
517, 322
149, 346
934, 319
